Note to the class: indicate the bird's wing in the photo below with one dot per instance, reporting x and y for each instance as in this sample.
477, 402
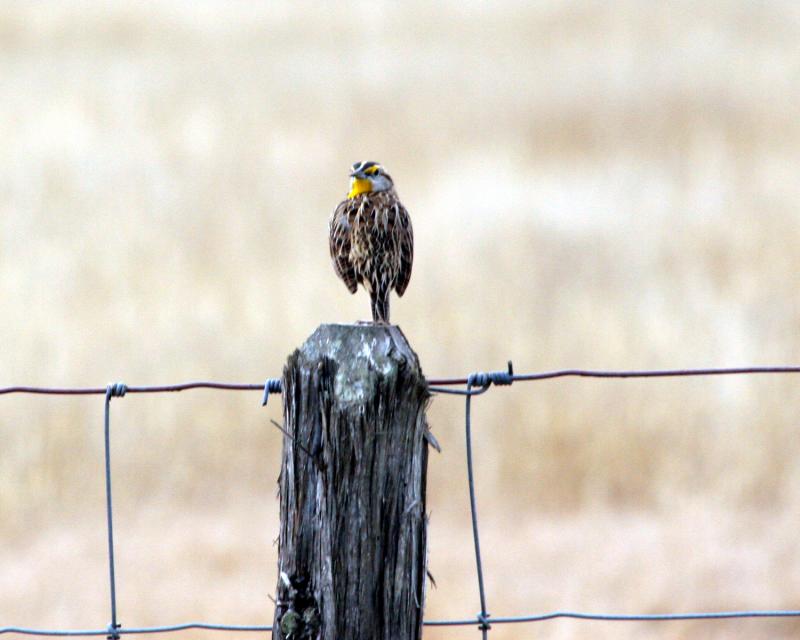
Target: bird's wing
406, 237
340, 230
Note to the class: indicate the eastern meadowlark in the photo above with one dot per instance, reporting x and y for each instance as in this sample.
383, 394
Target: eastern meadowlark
371, 239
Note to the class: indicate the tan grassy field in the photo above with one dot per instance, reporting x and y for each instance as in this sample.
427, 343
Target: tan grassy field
609, 185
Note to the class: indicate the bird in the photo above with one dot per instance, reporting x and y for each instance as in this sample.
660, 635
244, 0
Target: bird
371, 238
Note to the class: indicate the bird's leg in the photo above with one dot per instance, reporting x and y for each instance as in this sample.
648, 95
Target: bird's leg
380, 307
373, 299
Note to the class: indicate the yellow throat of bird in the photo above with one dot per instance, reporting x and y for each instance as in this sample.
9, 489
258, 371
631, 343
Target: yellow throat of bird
359, 186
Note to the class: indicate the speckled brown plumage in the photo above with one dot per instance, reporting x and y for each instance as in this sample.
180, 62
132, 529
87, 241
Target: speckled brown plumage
372, 243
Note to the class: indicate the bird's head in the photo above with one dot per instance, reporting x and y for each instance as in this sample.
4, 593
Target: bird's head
368, 176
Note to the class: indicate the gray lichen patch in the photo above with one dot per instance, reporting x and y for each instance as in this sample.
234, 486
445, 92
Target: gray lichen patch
365, 355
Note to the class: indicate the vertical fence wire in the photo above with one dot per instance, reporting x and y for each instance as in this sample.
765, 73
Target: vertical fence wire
483, 616
113, 390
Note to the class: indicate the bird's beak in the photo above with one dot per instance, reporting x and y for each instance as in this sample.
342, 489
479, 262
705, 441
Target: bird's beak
359, 174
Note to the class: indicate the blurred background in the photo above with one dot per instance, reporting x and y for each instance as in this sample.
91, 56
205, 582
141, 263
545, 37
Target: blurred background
592, 184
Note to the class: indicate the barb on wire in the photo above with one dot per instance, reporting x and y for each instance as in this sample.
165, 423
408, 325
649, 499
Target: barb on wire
482, 380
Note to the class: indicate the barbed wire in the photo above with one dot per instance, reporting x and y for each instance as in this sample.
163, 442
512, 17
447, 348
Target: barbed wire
474, 384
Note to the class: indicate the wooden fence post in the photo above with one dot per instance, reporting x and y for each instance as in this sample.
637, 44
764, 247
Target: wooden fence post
352, 556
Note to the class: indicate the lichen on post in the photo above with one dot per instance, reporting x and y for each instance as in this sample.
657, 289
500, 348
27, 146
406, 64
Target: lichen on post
352, 555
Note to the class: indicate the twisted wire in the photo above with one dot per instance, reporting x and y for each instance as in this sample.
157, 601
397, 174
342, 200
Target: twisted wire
272, 385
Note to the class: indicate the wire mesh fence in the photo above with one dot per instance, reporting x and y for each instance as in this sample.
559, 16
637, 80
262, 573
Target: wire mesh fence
472, 385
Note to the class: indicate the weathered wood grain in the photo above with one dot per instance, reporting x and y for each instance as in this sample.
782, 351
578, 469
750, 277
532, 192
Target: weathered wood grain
353, 522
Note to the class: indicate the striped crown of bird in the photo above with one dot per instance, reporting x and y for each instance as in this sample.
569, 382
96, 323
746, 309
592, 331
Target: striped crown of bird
371, 239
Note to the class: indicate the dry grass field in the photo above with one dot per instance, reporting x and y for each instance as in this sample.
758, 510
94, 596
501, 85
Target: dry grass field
592, 184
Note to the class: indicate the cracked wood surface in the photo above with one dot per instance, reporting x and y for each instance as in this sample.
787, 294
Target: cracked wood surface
353, 520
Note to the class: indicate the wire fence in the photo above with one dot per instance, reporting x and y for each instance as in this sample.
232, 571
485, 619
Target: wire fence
473, 385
